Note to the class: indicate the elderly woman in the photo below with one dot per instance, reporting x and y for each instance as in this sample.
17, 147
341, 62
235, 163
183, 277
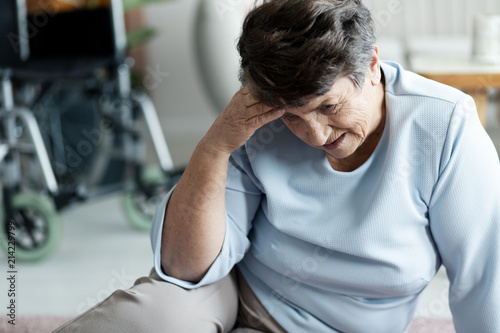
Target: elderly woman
325, 196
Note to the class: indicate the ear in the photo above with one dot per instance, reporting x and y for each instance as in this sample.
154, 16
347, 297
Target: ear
375, 74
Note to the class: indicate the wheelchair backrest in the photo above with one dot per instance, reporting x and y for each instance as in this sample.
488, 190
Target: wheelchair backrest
60, 29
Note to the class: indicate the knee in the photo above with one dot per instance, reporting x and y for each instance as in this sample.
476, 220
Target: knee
212, 308
152, 305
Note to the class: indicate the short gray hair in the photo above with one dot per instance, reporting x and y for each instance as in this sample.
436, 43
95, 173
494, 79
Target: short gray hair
291, 49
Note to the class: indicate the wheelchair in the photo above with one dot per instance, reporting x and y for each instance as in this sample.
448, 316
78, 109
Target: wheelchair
71, 125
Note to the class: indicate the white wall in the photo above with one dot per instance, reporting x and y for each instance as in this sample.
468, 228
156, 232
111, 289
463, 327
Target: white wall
179, 96
402, 18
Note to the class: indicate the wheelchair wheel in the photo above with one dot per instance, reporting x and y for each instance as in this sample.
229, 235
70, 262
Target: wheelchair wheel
38, 230
140, 207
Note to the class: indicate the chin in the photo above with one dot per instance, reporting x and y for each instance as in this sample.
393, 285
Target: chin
341, 154
345, 152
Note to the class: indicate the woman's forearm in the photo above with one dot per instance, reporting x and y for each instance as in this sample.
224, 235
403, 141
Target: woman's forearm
195, 219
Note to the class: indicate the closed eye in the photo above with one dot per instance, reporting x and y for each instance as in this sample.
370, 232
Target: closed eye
290, 117
329, 108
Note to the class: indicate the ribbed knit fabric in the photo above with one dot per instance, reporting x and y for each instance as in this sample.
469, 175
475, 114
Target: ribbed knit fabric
330, 251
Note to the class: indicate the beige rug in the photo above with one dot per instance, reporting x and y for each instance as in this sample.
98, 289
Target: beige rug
46, 324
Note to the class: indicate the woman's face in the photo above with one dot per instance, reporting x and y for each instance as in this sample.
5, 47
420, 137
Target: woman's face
342, 120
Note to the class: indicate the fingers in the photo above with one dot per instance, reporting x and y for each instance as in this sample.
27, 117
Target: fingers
269, 116
255, 106
250, 100
240, 119
256, 110
272, 115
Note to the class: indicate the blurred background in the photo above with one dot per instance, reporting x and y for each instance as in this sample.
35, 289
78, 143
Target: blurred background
178, 56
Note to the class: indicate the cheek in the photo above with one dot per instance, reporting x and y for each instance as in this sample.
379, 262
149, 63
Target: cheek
356, 120
296, 130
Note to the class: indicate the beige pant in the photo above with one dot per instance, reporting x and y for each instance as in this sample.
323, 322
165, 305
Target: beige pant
153, 305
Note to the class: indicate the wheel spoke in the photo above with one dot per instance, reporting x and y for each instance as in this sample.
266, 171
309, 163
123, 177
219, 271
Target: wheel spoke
32, 228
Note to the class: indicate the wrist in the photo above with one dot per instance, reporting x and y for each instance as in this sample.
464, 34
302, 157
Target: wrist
210, 147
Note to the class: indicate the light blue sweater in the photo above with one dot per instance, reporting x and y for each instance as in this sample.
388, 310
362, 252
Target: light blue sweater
330, 251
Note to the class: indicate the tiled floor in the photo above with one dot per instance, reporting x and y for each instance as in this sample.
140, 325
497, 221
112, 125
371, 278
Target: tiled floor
100, 252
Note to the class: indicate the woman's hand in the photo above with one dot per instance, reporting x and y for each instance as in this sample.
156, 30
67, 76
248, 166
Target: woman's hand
240, 119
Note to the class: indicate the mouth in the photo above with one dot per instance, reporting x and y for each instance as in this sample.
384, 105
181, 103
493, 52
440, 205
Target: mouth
335, 144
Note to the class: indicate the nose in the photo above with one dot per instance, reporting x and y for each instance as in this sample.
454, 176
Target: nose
317, 132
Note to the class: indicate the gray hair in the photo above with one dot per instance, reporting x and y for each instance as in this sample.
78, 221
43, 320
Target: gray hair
291, 49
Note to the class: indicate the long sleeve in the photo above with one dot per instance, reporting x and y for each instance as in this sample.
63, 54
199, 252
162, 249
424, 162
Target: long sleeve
464, 214
242, 201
